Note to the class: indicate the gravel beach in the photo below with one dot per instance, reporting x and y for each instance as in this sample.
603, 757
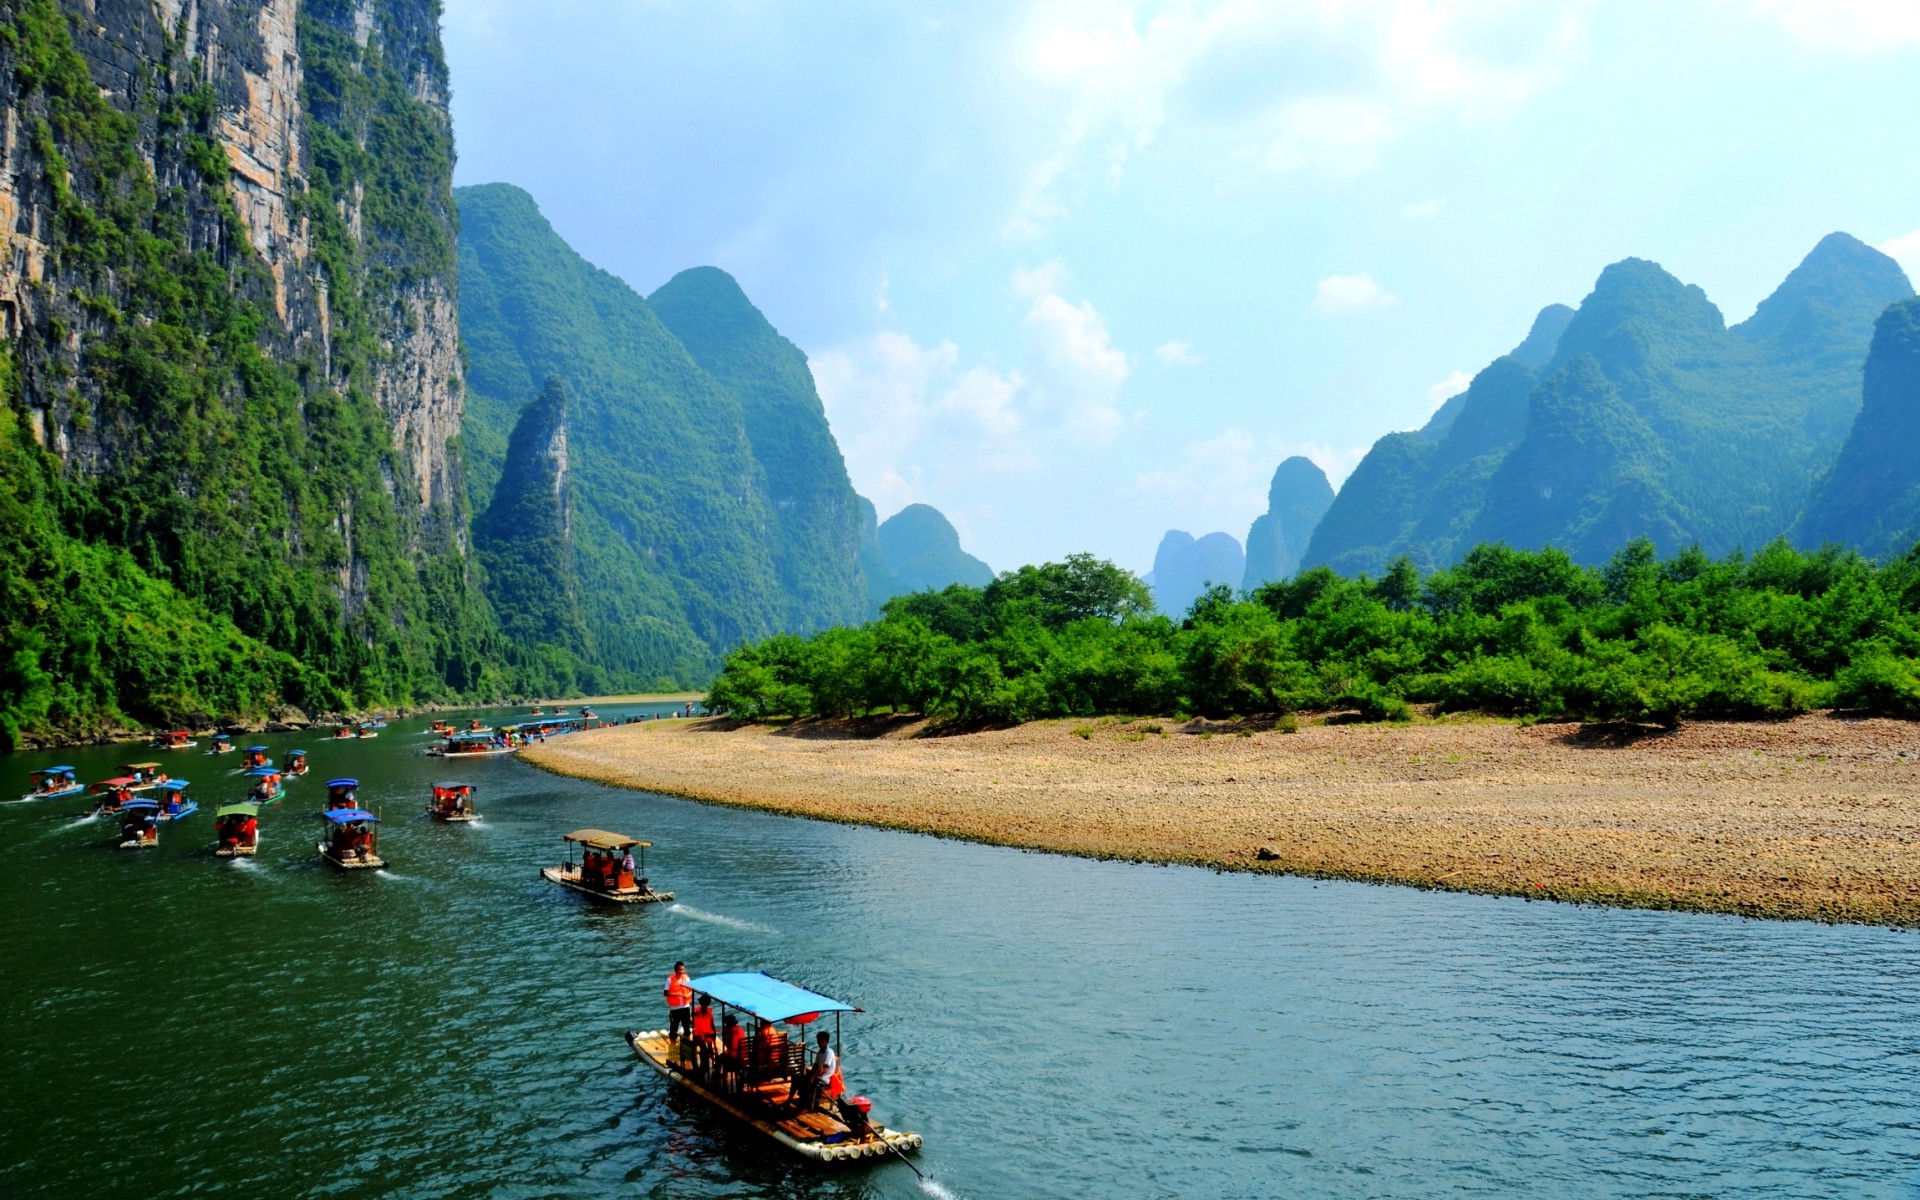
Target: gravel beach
1815, 818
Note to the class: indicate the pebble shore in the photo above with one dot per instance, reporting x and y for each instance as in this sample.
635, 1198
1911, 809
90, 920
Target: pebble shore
1814, 818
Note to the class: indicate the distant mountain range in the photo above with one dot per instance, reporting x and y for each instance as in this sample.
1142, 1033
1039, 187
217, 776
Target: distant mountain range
653, 478
1643, 414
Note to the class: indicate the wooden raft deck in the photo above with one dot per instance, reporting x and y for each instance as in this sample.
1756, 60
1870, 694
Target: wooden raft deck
571, 879
804, 1133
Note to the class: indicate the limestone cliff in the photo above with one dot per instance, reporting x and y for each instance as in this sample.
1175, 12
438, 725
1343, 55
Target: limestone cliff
226, 290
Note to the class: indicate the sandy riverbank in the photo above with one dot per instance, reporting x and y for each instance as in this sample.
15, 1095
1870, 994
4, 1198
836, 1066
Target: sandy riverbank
1818, 817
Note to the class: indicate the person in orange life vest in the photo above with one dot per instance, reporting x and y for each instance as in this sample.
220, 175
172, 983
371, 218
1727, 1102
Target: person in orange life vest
733, 1053
703, 1033
679, 994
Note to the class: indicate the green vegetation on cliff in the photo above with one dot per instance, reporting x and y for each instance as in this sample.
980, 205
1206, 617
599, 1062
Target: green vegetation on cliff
923, 553
1870, 500
1641, 414
1505, 631
203, 524
709, 502
816, 543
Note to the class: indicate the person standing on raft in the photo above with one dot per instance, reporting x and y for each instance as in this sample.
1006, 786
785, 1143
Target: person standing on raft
679, 994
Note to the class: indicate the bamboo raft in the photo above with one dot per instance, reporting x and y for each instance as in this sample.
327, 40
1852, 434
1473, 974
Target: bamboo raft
371, 862
815, 1135
237, 851
570, 878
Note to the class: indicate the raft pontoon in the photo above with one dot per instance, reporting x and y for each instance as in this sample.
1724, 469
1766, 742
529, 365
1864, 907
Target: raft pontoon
352, 839
601, 871
112, 795
139, 825
470, 745
267, 787
762, 1083
452, 802
238, 828
173, 805
343, 793
52, 782
145, 775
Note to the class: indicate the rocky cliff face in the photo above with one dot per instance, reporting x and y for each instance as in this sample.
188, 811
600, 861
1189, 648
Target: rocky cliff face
1870, 500
1296, 500
227, 292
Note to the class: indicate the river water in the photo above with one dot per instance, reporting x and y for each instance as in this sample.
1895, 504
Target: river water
176, 1023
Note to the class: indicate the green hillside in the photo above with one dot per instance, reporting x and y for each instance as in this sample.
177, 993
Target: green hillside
709, 503
1870, 500
209, 516
1648, 417
923, 552
816, 543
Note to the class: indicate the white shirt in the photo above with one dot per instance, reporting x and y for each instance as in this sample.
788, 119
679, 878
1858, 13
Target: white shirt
828, 1064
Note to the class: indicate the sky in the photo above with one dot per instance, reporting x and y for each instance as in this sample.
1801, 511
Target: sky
1078, 272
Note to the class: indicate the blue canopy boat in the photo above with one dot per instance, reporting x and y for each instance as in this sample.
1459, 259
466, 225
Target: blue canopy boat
173, 805
139, 824
295, 763
353, 837
51, 782
267, 786
341, 793
762, 1078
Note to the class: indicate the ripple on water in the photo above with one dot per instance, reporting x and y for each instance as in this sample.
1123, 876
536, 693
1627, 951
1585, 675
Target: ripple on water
1054, 1027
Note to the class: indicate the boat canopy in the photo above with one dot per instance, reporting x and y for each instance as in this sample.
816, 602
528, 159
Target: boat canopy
352, 783
117, 781
172, 785
454, 787
765, 997
298, 753
251, 748
153, 766
142, 803
600, 839
54, 771
248, 809
340, 816
475, 735
264, 770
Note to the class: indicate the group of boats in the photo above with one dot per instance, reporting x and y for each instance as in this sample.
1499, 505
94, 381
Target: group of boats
478, 739
748, 1068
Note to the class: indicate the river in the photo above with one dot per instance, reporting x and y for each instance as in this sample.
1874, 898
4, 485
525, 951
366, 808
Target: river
181, 1024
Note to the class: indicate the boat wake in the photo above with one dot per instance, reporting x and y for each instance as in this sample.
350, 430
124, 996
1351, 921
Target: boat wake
687, 910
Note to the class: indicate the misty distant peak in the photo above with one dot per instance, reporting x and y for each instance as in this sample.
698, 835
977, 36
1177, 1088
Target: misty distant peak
1842, 282
1544, 338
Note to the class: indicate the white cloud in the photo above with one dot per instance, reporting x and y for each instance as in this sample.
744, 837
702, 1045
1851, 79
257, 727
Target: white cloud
1351, 293
1107, 73
1426, 210
1853, 26
1077, 367
1904, 250
1178, 354
1446, 389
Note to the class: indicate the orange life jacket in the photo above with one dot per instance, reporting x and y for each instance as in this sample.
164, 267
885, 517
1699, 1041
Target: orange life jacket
679, 990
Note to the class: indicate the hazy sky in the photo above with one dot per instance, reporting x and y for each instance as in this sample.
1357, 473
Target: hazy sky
1077, 273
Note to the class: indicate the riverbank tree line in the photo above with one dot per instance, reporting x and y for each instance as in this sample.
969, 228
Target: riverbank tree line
1508, 632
